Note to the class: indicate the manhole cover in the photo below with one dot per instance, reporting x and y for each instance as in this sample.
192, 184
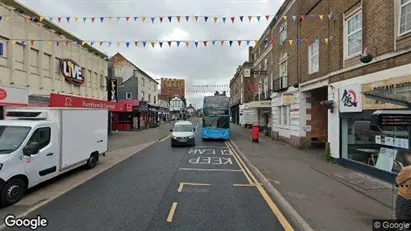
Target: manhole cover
362, 181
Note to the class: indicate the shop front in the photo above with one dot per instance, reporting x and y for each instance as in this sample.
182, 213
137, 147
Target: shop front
372, 130
235, 114
260, 112
116, 109
125, 121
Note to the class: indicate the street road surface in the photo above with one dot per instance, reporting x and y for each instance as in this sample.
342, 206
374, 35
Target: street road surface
164, 188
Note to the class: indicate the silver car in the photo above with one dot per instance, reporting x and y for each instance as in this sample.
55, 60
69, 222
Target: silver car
183, 133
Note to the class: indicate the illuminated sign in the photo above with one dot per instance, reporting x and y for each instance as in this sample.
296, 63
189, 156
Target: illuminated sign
72, 71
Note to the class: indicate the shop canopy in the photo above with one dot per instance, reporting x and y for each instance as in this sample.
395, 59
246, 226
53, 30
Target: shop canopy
398, 96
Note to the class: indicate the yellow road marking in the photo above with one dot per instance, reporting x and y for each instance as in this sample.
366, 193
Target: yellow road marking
180, 187
286, 225
172, 211
241, 167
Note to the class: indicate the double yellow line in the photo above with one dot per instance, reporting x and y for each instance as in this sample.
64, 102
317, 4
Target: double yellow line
253, 182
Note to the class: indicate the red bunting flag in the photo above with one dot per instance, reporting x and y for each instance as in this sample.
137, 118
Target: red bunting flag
127, 18
59, 19
308, 42
302, 17
136, 43
68, 43
232, 19
196, 18
26, 18
205, 43
92, 19
101, 43
169, 43
273, 42
239, 42
161, 19
267, 17
32, 42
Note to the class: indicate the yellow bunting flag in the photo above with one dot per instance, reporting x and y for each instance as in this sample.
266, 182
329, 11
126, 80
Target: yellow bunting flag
187, 43
291, 42
75, 18
178, 18
256, 42
7, 18
41, 18
326, 40
215, 19
285, 17
50, 43
321, 16
14, 42
118, 44
222, 42
143, 19
250, 18
153, 43
110, 18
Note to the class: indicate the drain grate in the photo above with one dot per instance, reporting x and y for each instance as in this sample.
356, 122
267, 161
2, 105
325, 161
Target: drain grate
362, 181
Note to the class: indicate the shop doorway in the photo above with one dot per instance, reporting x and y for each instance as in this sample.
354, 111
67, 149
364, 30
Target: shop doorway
318, 136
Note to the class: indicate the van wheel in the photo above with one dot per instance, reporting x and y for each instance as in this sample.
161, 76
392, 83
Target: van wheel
13, 191
92, 161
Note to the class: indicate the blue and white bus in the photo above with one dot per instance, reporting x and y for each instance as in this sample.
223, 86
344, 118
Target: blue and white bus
216, 118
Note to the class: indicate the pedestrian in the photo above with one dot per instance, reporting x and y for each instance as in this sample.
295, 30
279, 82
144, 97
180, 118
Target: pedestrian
403, 180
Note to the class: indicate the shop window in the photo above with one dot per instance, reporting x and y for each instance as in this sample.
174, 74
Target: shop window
285, 115
377, 146
129, 95
353, 35
405, 17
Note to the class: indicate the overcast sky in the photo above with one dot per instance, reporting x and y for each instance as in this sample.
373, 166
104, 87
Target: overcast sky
202, 65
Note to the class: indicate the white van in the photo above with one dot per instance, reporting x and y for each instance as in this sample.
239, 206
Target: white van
37, 144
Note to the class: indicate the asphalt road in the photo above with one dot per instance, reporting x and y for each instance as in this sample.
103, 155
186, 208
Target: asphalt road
139, 194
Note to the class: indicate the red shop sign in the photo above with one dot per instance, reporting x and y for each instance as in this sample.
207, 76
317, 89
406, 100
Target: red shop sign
60, 100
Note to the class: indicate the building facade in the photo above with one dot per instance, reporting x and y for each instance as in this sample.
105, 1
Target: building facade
331, 68
171, 87
240, 90
41, 66
146, 87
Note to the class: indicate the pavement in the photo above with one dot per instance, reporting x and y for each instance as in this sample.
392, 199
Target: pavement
207, 187
121, 145
326, 196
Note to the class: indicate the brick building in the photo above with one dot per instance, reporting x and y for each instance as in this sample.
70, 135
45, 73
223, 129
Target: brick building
240, 90
172, 87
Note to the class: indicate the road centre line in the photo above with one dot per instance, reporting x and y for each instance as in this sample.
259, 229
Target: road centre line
236, 158
172, 211
210, 169
286, 225
180, 188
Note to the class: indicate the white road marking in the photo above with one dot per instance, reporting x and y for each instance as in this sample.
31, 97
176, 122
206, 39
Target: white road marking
211, 147
210, 169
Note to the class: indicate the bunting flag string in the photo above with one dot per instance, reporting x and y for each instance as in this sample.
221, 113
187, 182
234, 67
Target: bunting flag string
204, 92
161, 43
173, 18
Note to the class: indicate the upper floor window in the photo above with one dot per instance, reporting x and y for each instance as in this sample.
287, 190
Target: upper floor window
129, 95
353, 36
313, 57
149, 97
142, 95
265, 64
405, 17
283, 32
143, 81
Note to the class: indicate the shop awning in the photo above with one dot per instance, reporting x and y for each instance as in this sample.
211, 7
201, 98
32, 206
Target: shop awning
398, 96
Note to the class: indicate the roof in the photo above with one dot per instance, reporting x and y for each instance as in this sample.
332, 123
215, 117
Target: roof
144, 73
23, 123
29, 12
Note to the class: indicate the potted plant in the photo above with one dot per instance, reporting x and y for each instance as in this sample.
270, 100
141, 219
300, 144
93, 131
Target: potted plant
366, 56
329, 104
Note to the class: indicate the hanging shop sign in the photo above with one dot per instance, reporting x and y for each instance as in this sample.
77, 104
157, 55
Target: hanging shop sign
112, 90
72, 72
350, 98
393, 83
